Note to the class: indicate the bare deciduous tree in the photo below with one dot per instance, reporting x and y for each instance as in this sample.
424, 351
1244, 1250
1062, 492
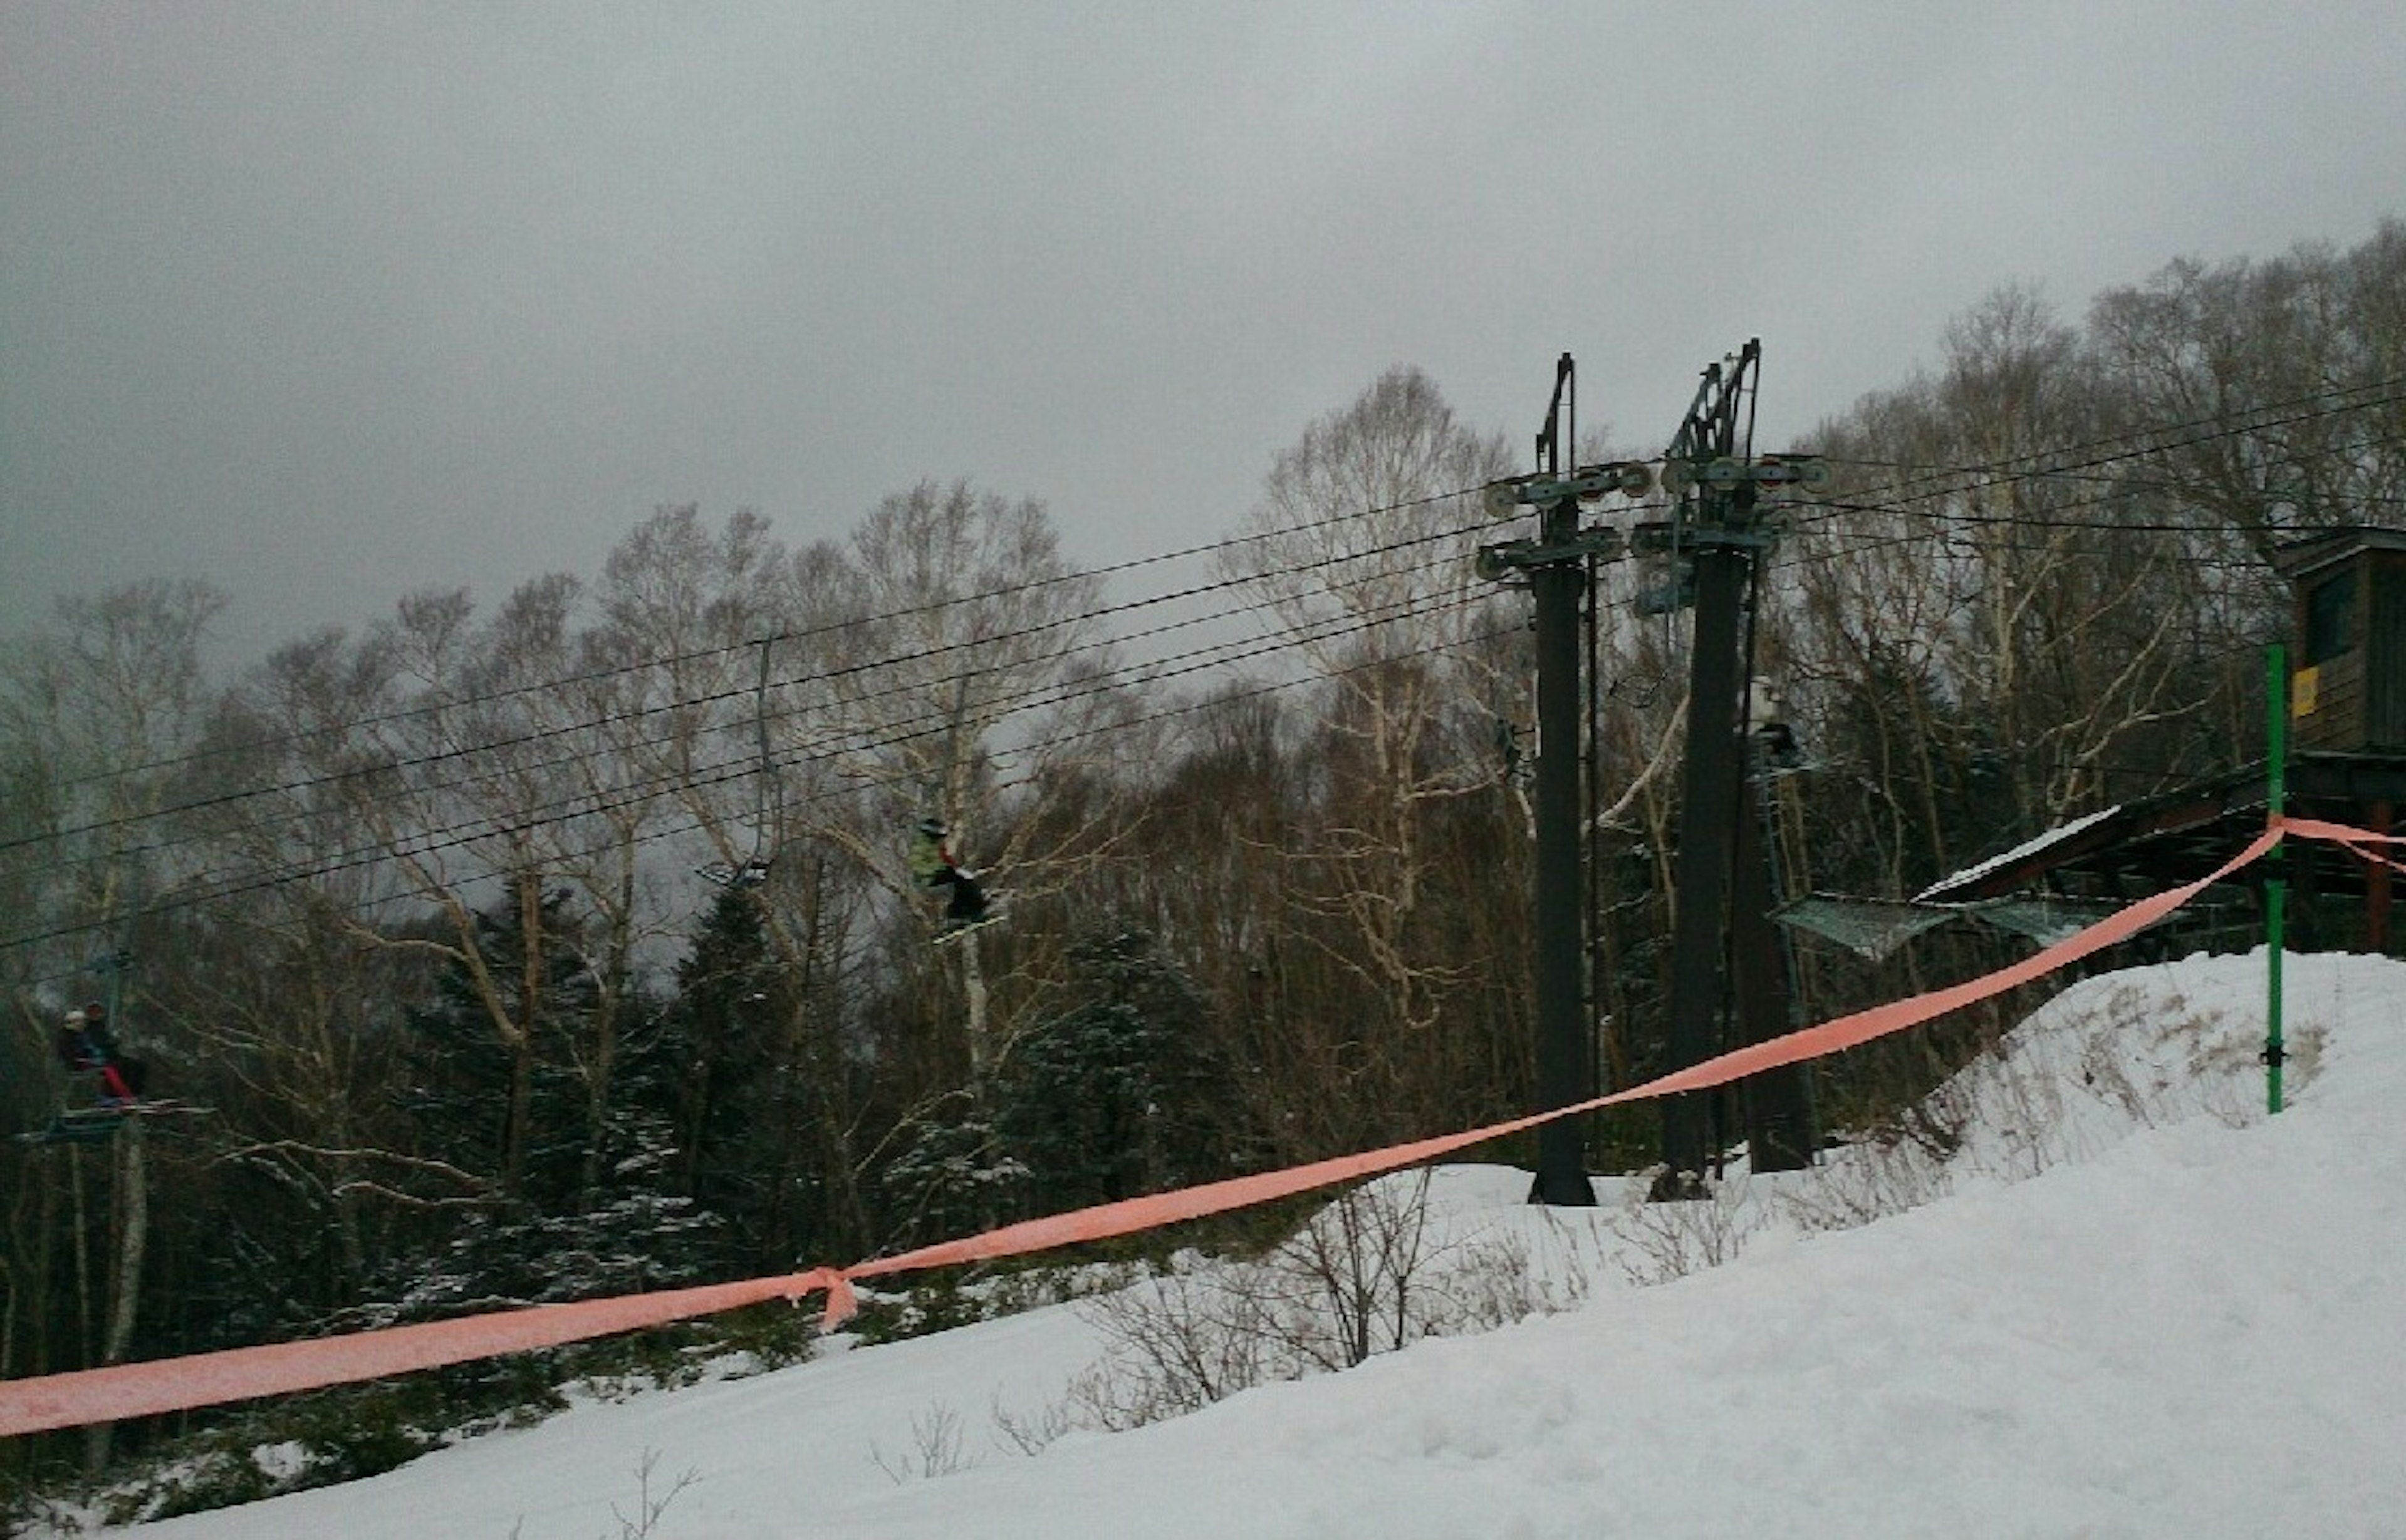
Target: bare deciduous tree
1360, 554
957, 632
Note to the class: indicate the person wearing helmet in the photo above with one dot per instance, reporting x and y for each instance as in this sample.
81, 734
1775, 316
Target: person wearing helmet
84, 1044
933, 866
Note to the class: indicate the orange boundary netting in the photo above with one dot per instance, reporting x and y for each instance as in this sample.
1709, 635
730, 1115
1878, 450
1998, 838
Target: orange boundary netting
205, 1380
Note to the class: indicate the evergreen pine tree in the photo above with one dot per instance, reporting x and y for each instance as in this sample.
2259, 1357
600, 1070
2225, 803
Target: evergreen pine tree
495, 1097
502, 1101
1124, 1092
727, 1016
954, 1175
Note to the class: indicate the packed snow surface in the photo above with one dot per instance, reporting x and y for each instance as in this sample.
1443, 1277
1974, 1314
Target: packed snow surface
2099, 1293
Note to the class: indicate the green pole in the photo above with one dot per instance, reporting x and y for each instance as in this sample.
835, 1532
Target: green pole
2276, 725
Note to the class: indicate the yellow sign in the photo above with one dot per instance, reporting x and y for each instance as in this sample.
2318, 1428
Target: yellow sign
2303, 687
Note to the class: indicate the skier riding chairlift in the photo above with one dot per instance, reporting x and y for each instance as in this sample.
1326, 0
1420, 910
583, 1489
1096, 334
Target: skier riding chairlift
84, 1045
933, 866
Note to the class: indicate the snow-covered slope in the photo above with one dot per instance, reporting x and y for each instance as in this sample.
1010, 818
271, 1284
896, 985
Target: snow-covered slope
2128, 1304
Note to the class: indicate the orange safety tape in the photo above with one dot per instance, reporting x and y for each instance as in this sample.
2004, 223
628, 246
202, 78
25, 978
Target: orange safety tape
238, 1374
1145, 1213
1845, 1032
205, 1380
2352, 839
2317, 828
2372, 858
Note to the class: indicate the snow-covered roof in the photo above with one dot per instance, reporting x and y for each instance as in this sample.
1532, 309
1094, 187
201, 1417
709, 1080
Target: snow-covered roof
2053, 837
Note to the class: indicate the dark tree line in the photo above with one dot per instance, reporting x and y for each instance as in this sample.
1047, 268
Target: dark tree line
415, 910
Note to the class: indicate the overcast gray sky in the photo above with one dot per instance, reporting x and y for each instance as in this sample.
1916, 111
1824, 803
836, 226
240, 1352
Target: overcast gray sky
327, 302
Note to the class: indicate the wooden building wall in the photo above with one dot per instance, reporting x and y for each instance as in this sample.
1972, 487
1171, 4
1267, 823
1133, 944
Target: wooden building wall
2384, 685
2349, 693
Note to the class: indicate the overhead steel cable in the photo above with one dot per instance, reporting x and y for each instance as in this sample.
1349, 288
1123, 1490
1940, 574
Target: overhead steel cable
2136, 444
2128, 483
429, 842
1268, 644
1898, 497
2222, 422
2223, 427
730, 648
1958, 480
2328, 400
731, 692
473, 776
1951, 527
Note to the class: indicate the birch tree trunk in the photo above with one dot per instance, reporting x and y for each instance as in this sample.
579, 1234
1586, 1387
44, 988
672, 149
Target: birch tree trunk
132, 1232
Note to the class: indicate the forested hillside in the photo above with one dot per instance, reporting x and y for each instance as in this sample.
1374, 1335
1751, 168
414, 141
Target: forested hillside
535, 946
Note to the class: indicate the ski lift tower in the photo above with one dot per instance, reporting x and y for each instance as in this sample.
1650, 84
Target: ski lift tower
1554, 568
1711, 468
